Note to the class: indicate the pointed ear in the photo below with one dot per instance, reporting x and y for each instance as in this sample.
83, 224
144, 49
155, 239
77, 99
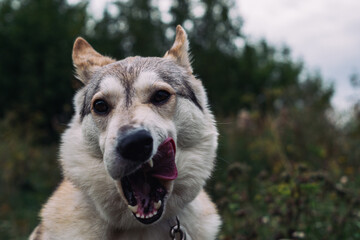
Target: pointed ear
180, 49
86, 60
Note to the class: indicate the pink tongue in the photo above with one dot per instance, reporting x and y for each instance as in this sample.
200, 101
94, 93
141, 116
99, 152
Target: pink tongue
164, 161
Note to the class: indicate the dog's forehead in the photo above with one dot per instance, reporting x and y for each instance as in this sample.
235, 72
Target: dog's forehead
119, 82
132, 69
111, 85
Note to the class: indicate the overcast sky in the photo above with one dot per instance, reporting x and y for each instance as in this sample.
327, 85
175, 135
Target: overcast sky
323, 33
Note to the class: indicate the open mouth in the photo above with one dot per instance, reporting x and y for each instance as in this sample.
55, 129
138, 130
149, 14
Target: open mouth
146, 189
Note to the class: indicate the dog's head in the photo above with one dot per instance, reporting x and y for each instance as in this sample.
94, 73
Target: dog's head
142, 125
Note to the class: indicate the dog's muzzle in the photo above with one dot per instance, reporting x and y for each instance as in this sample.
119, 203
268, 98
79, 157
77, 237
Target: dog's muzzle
146, 180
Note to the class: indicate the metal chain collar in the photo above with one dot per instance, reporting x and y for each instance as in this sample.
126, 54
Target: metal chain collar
176, 230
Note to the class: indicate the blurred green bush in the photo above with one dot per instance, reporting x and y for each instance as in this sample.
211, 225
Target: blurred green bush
287, 176
29, 174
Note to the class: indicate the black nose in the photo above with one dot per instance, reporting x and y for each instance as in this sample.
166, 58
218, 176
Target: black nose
136, 146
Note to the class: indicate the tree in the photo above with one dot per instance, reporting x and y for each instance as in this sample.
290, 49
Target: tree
36, 38
136, 29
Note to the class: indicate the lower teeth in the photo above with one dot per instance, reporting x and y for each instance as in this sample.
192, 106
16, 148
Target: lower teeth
138, 215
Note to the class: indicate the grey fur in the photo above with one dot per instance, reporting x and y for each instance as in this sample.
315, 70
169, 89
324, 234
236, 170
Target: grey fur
127, 71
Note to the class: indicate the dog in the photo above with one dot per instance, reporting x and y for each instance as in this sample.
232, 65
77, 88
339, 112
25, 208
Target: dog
137, 152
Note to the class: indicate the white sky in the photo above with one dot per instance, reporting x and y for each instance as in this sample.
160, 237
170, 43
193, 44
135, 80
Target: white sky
324, 33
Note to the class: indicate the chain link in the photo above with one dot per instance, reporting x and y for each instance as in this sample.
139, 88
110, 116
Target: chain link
176, 229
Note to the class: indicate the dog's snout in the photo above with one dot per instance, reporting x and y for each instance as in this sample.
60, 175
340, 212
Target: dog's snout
136, 146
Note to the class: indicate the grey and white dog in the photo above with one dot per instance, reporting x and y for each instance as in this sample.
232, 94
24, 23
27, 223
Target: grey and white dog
137, 152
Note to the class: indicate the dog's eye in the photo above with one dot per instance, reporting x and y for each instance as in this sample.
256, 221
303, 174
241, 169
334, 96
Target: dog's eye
160, 97
100, 107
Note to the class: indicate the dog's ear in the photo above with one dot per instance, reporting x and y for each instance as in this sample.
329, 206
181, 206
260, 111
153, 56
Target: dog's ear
86, 60
180, 49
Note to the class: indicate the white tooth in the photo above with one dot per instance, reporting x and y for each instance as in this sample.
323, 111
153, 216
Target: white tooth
138, 215
151, 163
157, 205
155, 212
142, 216
147, 216
133, 208
150, 215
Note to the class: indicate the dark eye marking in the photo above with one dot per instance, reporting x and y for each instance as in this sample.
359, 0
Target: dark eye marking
160, 97
182, 87
100, 107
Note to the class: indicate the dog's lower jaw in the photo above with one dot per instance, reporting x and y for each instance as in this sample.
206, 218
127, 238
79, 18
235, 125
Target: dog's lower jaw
158, 209
199, 219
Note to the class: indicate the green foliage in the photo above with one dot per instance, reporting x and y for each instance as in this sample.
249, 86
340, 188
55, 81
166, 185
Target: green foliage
300, 205
29, 174
35, 65
294, 174
135, 30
